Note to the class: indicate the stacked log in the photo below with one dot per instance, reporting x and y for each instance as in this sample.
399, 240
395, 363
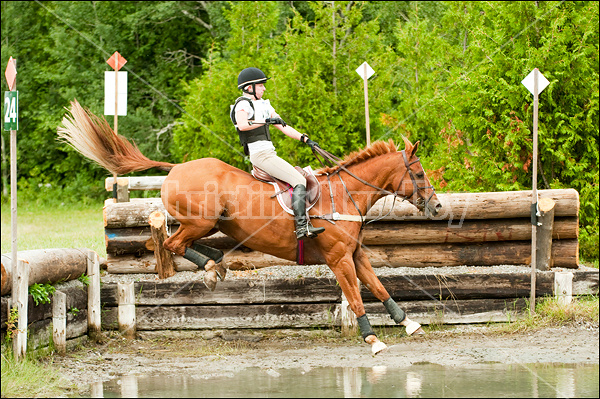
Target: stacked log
47, 265
473, 229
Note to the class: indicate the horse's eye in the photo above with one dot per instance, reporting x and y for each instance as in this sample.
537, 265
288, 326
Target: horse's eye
420, 175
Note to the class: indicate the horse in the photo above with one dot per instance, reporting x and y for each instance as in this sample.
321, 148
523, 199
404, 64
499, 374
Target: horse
208, 195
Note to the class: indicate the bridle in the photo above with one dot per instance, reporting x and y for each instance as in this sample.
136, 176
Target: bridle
318, 151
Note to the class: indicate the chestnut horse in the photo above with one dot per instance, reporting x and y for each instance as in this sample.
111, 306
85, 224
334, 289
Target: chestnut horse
207, 195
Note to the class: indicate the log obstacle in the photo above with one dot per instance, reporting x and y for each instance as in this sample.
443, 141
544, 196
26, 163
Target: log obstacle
253, 301
473, 229
47, 265
72, 312
317, 301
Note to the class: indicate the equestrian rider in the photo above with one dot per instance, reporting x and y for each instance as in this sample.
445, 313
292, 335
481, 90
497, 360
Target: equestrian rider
252, 116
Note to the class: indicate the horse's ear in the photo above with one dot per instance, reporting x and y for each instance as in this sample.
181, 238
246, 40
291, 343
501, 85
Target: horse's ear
407, 144
414, 149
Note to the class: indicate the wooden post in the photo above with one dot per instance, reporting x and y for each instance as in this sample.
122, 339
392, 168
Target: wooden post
59, 322
22, 295
123, 189
349, 322
116, 93
126, 298
544, 258
563, 287
534, 193
367, 106
17, 272
94, 311
164, 258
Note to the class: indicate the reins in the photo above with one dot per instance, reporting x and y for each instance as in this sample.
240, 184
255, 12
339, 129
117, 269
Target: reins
328, 157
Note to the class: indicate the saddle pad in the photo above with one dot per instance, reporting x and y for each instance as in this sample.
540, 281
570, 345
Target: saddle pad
284, 190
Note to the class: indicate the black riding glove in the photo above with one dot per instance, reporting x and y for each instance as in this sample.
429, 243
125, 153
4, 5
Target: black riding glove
275, 121
312, 144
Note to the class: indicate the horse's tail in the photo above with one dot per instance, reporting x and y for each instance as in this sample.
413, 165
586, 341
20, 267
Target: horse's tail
93, 138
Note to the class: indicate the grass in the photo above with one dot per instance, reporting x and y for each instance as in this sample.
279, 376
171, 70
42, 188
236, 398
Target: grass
549, 313
45, 226
31, 378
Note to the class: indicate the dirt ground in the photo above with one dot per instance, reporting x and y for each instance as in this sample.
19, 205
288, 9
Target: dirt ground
214, 352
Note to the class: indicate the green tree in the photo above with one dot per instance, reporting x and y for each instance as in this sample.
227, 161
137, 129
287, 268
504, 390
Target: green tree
486, 141
314, 86
61, 49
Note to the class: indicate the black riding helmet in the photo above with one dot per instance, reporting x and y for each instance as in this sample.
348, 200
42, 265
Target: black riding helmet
251, 76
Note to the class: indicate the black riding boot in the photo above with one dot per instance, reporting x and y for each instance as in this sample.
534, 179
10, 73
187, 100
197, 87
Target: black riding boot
303, 227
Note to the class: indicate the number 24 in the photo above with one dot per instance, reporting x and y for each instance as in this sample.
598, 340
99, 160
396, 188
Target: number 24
10, 106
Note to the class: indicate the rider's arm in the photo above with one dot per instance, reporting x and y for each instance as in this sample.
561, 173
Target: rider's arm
287, 129
241, 118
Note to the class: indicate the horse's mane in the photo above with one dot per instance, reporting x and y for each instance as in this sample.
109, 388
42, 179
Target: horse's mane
375, 149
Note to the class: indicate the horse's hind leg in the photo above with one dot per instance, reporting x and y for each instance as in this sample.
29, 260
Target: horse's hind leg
216, 255
182, 243
367, 276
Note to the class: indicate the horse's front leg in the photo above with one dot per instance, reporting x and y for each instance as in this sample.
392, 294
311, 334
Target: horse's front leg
367, 276
345, 273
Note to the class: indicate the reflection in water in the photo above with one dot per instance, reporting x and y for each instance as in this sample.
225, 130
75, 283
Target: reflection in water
413, 384
423, 380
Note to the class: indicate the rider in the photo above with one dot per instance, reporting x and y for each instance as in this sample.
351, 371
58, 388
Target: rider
252, 116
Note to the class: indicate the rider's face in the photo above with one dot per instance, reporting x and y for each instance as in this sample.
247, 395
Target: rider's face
259, 90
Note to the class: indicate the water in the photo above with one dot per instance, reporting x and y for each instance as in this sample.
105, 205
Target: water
422, 380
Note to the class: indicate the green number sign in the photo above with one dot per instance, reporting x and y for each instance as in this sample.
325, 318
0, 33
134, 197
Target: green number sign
11, 110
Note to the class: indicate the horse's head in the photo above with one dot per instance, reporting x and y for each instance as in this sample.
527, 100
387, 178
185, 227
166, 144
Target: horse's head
412, 182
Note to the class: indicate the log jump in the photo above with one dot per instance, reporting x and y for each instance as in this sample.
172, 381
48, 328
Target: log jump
475, 229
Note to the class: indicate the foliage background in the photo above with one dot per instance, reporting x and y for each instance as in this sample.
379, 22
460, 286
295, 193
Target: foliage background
447, 73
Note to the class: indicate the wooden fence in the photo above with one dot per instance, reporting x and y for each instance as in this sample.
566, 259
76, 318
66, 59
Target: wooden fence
249, 301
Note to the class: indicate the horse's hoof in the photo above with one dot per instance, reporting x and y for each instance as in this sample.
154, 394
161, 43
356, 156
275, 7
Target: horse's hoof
221, 271
378, 347
414, 327
210, 279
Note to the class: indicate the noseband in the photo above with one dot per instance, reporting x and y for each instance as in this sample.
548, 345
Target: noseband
414, 181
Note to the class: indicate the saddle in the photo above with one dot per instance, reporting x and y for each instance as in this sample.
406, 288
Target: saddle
283, 190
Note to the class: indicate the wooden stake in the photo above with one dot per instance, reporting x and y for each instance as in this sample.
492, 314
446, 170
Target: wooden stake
544, 260
164, 258
94, 310
563, 287
22, 294
59, 322
127, 320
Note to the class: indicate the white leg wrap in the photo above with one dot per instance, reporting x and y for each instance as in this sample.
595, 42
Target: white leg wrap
412, 327
378, 347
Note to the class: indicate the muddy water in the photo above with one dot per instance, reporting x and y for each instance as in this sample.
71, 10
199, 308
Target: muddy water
421, 380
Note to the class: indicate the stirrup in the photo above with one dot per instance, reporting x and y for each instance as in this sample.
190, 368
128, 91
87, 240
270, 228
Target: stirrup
308, 231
